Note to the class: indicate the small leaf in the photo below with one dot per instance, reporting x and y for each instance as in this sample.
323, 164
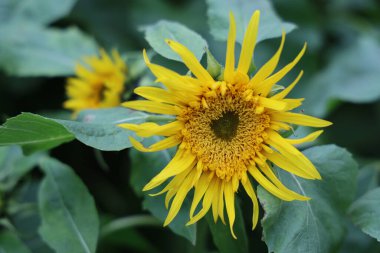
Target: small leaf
33, 132
222, 237
144, 166
156, 35
270, 26
317, 225
36, 51
10, 243
37, 11
365, 213
68, 213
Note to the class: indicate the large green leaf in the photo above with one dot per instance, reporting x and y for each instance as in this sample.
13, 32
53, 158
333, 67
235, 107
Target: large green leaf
222, 237
37, 51
156, 35
10, 243
14, 165
68, 213
33, 132
317, 225
218, 11
144, 166
98, 128
365, 213
352, 75
37, 11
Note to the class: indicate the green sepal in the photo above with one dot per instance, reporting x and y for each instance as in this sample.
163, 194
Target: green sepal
213, 66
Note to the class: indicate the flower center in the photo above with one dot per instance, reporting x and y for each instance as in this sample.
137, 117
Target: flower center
225, 127
226, 135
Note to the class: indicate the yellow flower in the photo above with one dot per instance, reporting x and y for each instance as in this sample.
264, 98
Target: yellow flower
97, 85
227, 131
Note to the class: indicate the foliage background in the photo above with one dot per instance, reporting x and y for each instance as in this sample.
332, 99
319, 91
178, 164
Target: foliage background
341, 83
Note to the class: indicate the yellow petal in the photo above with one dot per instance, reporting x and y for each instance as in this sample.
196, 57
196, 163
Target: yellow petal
265, 87
161, 145
207, 201
230, 53
264, 182
249, 42
184, 188
288, 89
277, 125
190, 61
293, 154
180, 163
287, 165
200, 189
229, 196
169, 78
152, 106
272, 104
272, 177
268, 68
173, 186
251, 193
149, 129
221, 202
156, 94
300, 119
215, 202
309, 138
292, 103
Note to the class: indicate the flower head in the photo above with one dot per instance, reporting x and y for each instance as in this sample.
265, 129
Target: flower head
227, 131
99, 84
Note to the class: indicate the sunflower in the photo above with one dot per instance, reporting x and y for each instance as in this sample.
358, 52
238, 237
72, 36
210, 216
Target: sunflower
227, 131
98, 84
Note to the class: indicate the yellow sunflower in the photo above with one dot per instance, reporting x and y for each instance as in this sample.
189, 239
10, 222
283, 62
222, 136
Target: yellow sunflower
227, 130
99, 84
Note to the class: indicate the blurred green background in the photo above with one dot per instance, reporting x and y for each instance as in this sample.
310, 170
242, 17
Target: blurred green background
341, 83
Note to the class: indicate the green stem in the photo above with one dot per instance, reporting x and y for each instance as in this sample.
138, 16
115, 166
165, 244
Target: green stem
100, 159
129, 222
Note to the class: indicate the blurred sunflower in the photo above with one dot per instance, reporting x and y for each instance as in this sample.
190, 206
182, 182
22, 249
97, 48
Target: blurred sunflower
227, 131
99, 84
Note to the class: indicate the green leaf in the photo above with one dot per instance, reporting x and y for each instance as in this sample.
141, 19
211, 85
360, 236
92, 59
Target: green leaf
344, 77
98, 128
37, 11
14, 165
270, 26
365, 213
317, 225
36, 51
10, 243
222, 237
156, 35
68, 213
144, 166
95, 128
33, 133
